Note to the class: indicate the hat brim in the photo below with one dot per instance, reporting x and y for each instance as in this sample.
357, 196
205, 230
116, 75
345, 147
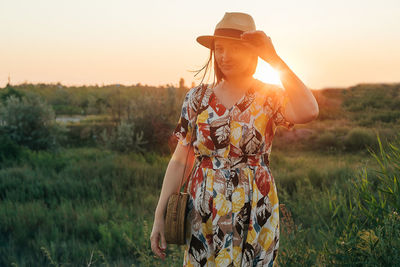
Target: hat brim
207, 40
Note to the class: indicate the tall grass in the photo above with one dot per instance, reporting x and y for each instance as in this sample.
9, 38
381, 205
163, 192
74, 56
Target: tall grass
71, 208
366, 217
90, 207
352, 220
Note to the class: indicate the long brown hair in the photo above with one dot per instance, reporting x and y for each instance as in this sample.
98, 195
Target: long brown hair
218, 74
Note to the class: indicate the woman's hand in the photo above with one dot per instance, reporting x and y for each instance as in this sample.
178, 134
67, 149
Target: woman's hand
261, 44
157, 237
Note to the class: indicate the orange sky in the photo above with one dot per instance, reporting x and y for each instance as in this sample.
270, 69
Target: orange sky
335, 44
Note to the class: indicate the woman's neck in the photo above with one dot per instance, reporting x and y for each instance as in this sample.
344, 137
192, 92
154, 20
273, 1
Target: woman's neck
238, 84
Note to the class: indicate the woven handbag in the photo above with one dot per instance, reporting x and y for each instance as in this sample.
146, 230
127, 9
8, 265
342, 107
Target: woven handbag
176, 213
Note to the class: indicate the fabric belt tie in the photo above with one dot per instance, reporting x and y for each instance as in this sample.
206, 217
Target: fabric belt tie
214, 162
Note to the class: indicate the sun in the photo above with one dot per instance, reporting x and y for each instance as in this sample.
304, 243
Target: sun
265, 73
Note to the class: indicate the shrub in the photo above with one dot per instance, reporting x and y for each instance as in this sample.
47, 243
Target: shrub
8, 148
9, 91
328, 140
358, 139
123, 138
388, 116
30, 122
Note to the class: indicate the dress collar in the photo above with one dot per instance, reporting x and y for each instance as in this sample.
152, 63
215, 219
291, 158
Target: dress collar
243, 103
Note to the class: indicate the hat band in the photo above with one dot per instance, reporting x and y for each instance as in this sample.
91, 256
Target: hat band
228, 32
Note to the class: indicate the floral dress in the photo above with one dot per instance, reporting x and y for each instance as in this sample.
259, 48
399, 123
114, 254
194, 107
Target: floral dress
233, 208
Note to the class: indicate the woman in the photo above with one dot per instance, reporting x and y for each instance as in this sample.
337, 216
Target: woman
233, 204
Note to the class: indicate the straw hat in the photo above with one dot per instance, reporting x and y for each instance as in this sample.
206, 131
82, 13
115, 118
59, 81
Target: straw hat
232, 25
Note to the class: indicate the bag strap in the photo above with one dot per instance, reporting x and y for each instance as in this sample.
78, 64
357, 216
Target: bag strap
191, 140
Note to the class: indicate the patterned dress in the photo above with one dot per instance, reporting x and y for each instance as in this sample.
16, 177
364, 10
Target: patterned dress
233, 217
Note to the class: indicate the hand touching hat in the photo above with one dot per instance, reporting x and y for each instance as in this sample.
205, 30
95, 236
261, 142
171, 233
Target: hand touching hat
261, 44
241, 26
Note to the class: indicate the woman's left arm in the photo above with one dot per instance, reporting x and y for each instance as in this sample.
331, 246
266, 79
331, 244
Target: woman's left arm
301, 107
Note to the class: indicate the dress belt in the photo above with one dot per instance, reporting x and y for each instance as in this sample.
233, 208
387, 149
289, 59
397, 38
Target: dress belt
217, 162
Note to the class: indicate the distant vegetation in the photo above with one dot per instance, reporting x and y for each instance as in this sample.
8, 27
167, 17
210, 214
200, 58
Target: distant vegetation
349, 118
151, 112
83, 193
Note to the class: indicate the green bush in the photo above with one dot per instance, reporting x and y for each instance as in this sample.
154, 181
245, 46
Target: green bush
30, 122
67, 109
388, 116
358, 139
86, 134
8, 148
123, 138
10, 91
328, 140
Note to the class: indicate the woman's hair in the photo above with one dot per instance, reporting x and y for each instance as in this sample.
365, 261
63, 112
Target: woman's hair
218, 74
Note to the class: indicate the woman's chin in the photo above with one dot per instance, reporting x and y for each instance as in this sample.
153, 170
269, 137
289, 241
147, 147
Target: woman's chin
229, 74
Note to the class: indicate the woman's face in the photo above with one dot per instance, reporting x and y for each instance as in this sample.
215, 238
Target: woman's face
233, 57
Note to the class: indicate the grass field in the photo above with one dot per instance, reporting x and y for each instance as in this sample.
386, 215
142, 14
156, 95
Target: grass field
86, 205
90, 205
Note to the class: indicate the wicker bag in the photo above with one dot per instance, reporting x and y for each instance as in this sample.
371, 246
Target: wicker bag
176, 213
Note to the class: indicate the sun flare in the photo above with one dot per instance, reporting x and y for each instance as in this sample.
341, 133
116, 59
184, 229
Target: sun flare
265, 73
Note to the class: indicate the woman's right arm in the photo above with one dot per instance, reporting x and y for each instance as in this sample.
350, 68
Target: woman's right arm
171, 182
173, 175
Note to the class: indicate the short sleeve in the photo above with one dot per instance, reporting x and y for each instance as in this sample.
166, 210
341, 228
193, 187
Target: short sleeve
279, 99
183, 130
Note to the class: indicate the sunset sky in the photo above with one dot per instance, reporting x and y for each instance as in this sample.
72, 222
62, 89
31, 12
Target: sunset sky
327, 44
